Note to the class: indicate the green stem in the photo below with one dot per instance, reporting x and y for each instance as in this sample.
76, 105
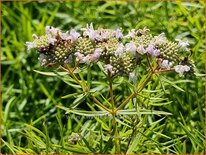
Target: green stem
84, 88
111, 92
116, 136
137, 90
117, 140
101, 105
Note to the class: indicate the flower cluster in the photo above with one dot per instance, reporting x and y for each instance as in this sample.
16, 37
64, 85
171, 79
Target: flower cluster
120, 53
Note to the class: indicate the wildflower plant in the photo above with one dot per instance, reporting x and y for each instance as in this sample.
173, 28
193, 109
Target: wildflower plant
118, 56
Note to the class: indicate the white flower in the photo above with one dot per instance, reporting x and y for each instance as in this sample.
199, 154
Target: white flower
117, 33
160, 39
68, 60
90, 32
80, 57
87, 59
131, 34
131, 47
73, 35
131, 76
43, 59
108, 67
52, 30
30, 45
35, 36
120, 50
165, 64
95, 56
183, 44
51, 40
98, 52
151, 49
141, 50
181, 69
101, 36
64, 36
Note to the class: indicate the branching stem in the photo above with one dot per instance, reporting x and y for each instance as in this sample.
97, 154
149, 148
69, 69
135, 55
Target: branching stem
84, 88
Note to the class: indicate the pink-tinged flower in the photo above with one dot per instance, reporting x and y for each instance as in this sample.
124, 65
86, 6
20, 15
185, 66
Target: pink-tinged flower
35, 36
101, 36
131, 47
180, 69
108, 67
165, 64
80, 57
117, 33
51, 40
90, 32
151, 49
87, 59
64, 36
160, 39
73, 35
52, 30
30, 45
105, 35
120, 50
183, 44
131, 34
95, 56
97, 52
141, 49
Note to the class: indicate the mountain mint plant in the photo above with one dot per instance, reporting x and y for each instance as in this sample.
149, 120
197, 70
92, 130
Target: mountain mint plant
117, 55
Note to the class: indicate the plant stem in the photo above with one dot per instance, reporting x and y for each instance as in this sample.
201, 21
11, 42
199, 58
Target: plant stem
67, 69
166, 70
117, 140
149, 63
116, 136
111, 92
84, 88
101, 105
137, 89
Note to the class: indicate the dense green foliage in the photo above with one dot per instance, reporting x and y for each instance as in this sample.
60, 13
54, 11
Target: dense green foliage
34, 120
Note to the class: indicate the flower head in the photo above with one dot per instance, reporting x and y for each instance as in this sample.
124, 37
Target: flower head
52, 30
108, 67
73, 35
181, 69
51, 40
30, 45
131, 34
131, 47
95, 56
35, 36
151, 49
183, 44
160, 39
117, 33
141, 49
90, 32
80, 57
120, 50
165, 64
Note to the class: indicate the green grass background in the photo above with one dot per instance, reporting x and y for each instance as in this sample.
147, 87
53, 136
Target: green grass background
29, 99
